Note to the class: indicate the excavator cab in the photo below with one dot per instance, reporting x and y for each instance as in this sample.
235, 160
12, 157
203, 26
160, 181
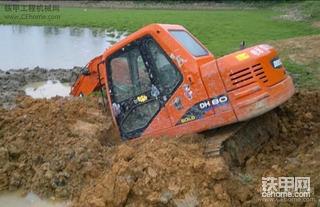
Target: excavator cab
161, 80
141, 78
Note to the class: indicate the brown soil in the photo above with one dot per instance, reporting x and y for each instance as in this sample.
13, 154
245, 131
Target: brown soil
296, 151
301, 50
52, 147
316, 24
67, 149
174, 172
167, 172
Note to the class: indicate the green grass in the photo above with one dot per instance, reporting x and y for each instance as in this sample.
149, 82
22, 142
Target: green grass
220, 30
304, 76
308, 8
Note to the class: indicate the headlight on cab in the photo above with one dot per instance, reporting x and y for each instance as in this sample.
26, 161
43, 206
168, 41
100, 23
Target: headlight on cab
276, 62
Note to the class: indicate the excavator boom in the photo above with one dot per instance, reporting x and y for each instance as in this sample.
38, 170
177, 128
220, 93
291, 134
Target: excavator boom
90, 79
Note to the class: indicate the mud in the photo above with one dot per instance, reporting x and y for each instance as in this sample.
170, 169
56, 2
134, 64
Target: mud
52, 147
67, 148
174, 172
294, 152
13, 81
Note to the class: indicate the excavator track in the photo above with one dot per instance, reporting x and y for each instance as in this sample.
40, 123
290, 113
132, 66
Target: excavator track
214, 142
239, 141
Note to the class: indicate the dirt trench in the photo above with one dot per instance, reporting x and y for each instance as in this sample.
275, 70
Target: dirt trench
67, 148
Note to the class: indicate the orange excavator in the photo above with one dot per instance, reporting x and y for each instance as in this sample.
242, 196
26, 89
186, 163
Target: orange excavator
161, 80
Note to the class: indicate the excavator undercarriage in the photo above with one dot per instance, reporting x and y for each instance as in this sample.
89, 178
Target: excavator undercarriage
239, 141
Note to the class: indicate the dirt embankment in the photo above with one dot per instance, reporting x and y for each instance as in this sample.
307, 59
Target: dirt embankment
66, 148
52, 147
13, 81
295, 152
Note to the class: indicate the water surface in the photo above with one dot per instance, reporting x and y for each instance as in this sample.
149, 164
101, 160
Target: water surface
30, 200
52, 47
47, 89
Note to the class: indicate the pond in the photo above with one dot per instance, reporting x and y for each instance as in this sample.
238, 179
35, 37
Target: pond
52, 47
47, 89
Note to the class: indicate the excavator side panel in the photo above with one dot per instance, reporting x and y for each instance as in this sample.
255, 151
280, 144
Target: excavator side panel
214, 85
254, 84
187, 107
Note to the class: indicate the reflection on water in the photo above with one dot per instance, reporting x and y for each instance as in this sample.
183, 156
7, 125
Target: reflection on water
52, 47
31, 200
47, 89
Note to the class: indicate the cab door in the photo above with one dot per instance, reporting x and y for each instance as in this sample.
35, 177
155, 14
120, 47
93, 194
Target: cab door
188, 53
141, 78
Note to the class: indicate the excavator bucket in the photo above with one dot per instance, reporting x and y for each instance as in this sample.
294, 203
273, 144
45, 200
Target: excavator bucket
89, 80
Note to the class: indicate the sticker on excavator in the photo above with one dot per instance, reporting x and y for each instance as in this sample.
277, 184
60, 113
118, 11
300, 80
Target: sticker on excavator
242, 56
142, 98
208, 104
187, 119
198, 110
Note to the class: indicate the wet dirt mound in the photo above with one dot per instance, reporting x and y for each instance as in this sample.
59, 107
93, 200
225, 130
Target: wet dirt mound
174, 172
67, 148
160, 172
53, 147
294, 152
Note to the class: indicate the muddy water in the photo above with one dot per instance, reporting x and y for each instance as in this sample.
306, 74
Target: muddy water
47, 89
52, 47
30, 200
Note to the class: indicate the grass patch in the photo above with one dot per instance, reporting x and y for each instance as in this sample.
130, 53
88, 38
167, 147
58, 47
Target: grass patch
220, 30
311, 8
305, 76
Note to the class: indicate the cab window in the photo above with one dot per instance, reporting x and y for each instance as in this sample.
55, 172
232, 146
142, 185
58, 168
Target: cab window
189, 43
166, 75
129, 75
141, 78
